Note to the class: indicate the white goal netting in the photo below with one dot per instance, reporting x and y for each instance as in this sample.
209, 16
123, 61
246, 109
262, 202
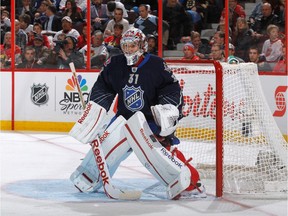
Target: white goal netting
254, 150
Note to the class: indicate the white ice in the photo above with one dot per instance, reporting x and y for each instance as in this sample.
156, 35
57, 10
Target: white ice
35, 170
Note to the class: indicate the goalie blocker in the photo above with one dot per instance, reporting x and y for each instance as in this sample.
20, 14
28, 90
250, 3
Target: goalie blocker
171, 169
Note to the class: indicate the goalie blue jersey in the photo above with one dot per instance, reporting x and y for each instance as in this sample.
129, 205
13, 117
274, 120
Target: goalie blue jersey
138, 88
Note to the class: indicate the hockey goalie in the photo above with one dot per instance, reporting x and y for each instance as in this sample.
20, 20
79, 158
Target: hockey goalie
148, 110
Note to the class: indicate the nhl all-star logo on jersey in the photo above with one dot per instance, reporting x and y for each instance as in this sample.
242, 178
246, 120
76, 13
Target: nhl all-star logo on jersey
133, 98
39, 94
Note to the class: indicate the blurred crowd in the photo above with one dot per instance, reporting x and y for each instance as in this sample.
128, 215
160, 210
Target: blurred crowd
52, 33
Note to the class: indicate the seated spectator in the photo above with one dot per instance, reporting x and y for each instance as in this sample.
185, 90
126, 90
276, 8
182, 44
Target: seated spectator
99, 15
281, 64
99, 52
118, 18
202, 50
53, 22
5, 22
21, 36
29, 60
152, 44
189, 52
256, 12
219, 38
178, 20
261, 23
148, 24
232, 54
235, 11
40, 13
6, 52
254, 56
217, 52
24, 7
81, 5
272, 47
113, 41
112, 5
242, 39
37, 30
41, 51
67, 28
74, 13
25, 23
65, 52
82, 39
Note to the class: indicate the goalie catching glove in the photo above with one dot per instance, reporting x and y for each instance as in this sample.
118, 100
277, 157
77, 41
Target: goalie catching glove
165, 116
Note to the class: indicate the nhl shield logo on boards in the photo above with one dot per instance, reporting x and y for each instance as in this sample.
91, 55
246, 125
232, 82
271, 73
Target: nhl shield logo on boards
39, 94
133, 98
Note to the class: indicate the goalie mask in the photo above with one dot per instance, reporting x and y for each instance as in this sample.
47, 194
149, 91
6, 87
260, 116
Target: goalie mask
133, 45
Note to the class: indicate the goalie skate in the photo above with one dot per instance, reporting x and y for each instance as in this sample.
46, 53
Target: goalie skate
199, 192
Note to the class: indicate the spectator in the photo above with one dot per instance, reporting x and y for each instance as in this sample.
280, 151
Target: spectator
37, 30
202, 50
152, 44
53, 22
197, 11
24, 7
6, 53
217, 52
242, 39
148, 24
65, 52
41, 51
5, 24
189, 52
118, 18
112, 5
99, 52
81, 5
256, 12
113, 41
254, 56
267, 18
219, 38
82, 39
235, 11
67, 28
21, 36
281, 64
272, 48
25, 23
40, 15
232, 55
99, 16
74, 13
178, 20
29, 60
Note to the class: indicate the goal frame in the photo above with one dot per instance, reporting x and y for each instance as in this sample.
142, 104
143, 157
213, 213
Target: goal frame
219, 116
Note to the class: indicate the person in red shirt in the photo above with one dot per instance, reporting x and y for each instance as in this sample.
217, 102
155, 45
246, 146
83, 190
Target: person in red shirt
113, 41
6, 52
189, 52
281, 64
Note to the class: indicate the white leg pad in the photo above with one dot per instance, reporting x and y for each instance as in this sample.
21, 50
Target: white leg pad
115, 147
168, 169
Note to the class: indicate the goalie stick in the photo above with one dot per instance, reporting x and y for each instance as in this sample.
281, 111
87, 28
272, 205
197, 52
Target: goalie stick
72, 67
109, 189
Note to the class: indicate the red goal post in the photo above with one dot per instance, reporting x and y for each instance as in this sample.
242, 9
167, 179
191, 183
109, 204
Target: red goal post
228, 128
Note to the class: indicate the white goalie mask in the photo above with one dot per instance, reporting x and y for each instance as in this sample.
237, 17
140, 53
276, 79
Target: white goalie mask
133, 45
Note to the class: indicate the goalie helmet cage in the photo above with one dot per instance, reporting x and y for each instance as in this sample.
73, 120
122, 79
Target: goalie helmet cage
228, 128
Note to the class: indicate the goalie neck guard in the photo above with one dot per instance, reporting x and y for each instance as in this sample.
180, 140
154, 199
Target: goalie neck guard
133, 45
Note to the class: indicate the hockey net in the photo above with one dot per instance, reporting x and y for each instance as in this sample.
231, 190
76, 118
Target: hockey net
248, 154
